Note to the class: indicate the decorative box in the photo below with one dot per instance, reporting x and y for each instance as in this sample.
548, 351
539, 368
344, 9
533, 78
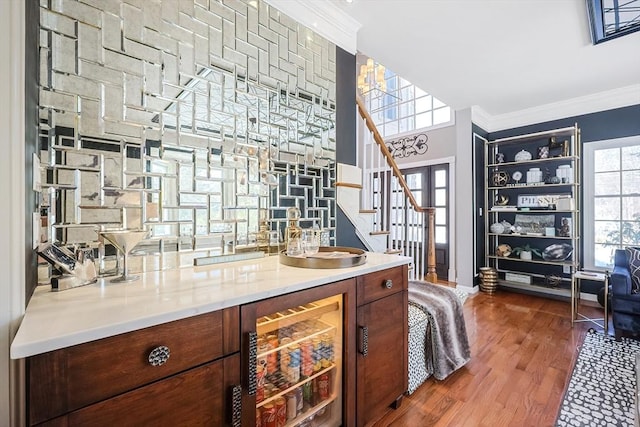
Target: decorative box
518, 278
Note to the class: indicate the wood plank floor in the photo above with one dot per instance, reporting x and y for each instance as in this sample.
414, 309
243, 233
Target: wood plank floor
522, 352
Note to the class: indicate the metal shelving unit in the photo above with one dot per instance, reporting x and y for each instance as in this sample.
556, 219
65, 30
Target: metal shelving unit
563, 153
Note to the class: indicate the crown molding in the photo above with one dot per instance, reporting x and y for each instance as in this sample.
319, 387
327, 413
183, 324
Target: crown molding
601, 101
323, 18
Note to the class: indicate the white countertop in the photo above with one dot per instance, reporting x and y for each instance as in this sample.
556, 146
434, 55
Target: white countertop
55, 320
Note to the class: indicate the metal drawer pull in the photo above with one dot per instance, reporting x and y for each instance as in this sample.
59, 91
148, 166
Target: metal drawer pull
364, 344
388, 283
236, 406
159, 355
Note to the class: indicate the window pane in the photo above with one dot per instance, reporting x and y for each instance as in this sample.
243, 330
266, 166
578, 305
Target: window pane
631, 157
441, 197
406, 93
406, 125
406, 109
414, 181
606, 208
631, 182
606, 160
423, 104
437, 103
606, 183
420, 92
423, 120
441, 216
440, 178
631, 233
631, 208
441, 234
607, 232
418, 196
604, 255
441, 115
391, 128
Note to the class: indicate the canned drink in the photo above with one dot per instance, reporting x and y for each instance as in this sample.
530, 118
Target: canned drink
263, 347
281, 411
324, 385
306, 358
284, 353
317, 354
260, 372
258, 417
293, 369
299, 399
272, 358
292, 405
307, 393
327, 347
269, 415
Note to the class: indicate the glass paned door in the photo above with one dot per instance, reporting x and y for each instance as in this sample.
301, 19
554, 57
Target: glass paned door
430, 187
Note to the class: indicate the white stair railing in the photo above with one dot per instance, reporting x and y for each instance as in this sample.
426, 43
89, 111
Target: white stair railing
387, 197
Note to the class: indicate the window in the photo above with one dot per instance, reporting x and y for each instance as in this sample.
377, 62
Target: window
613, 18
611, 199
397, 106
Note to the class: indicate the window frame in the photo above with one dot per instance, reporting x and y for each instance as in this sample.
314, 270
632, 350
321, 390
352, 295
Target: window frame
588, 233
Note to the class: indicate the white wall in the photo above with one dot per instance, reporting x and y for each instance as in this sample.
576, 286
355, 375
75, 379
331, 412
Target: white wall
464, 200
12, 224
441, 143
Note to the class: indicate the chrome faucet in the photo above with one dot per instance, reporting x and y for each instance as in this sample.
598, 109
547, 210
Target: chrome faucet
75, 268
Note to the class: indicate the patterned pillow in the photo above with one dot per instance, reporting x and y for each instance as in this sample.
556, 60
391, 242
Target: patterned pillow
633, 254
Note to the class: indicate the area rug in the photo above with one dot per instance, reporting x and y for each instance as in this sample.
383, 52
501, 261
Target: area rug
602, 385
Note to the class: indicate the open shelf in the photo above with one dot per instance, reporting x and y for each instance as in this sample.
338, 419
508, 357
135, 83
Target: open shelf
293, 315
532, 261
319, 327
295, 386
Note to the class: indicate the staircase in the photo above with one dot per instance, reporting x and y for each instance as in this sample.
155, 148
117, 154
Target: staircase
377, 200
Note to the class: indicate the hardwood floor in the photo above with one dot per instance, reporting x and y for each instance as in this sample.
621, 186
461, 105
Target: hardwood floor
522, 352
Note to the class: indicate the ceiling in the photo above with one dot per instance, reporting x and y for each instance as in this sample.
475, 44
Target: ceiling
503, 56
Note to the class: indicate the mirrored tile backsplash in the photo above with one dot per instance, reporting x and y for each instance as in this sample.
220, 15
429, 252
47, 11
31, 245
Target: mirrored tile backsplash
193, 119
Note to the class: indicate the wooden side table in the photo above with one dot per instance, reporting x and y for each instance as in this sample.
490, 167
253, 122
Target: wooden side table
576, 316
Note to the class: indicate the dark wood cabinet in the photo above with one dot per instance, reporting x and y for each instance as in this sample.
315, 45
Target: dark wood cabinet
381, 361
113, 381
117, 379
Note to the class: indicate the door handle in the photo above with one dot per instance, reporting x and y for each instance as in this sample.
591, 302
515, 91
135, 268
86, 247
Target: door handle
236, 406
252, 350
364, 341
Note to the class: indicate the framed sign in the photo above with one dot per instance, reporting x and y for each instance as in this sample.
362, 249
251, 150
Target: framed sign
540, 201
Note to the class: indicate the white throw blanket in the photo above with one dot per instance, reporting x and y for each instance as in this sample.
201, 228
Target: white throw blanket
449, 343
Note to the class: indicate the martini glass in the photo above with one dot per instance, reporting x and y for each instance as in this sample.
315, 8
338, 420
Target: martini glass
125, 241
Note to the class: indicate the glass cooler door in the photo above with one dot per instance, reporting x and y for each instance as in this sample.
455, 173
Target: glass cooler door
298, 365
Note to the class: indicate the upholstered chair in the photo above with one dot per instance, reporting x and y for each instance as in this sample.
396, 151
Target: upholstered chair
625, 292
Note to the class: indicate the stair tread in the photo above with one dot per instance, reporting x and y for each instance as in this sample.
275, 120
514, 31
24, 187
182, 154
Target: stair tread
393, 251
348, 184
381, 232
368, 211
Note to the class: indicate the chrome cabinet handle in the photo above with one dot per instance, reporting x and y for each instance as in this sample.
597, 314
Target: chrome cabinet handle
236, 406
159, 355
364, 340
252, 343
388, 283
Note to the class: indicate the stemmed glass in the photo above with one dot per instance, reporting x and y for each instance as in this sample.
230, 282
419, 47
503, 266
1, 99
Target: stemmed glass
125, 241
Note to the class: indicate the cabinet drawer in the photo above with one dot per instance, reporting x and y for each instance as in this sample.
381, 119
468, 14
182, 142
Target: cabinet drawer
64, 380
377, 285
194, 397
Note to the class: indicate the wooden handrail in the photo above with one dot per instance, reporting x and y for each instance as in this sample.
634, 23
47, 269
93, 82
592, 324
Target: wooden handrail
388, 157
431, 246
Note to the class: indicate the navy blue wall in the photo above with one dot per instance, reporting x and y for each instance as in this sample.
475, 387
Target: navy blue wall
610, 124
345, 135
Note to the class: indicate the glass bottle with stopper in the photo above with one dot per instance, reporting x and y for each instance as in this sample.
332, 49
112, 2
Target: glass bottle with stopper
293, 233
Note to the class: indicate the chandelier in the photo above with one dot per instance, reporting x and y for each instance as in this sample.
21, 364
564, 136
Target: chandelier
371, 78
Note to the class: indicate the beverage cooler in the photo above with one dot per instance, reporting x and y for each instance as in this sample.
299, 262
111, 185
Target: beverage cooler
293, 358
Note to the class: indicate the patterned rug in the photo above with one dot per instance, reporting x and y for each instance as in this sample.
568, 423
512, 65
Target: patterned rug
602, 385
